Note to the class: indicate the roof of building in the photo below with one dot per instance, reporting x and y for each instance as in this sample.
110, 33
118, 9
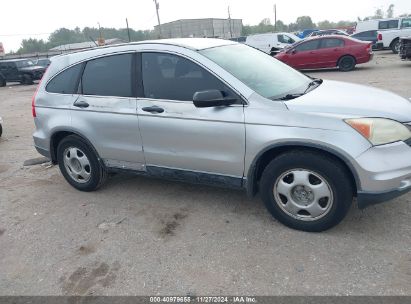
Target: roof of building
85, 45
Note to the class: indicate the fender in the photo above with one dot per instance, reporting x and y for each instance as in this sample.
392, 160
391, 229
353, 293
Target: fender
251, 183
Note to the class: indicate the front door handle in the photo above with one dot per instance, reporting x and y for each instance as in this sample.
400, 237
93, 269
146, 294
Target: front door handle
153, 109
81, 104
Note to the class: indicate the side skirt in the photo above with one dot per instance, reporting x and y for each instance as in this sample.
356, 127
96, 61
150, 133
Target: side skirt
191, 177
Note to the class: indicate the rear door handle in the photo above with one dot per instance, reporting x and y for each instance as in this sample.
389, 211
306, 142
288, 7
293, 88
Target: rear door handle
81, 104
153, 109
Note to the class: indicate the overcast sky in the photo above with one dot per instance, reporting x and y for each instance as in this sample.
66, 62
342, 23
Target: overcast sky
24, 19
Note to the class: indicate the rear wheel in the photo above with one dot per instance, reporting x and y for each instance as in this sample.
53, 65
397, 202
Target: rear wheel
395, 46
79, 164
306, 190
2, 82
1, 130
346, 63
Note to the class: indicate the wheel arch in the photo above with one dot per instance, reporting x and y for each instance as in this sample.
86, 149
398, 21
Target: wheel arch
58, 136
264, 157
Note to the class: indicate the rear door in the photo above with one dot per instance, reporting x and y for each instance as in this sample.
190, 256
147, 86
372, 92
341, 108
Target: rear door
180, 139
330, 51
105, 110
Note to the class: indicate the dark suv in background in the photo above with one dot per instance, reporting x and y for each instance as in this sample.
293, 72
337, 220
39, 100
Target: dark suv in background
19, 70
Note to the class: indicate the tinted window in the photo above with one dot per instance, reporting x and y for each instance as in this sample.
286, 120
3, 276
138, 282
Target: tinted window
108, 76
383, 25
308, 46
65, 82
331, 43
406, 23
172, 77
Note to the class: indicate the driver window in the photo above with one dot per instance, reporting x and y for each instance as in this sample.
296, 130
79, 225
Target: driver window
171, 77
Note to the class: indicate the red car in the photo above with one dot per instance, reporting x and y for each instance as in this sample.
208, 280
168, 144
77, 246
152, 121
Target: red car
327, 52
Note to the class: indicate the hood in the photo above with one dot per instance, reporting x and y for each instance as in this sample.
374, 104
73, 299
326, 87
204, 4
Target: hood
352, 100
33, 68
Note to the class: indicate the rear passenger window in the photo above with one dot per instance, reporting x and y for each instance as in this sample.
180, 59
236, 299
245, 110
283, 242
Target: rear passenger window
384, 25
66, 82
171, 77
108, 76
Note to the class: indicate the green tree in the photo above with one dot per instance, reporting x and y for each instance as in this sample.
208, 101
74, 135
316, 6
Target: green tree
304, 22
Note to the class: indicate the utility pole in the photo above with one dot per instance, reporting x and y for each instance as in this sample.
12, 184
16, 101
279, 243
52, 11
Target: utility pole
158, 17
229, 20
101, 41
275, 17
128, 31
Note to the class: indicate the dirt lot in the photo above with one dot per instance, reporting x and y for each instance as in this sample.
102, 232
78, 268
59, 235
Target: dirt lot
140, 236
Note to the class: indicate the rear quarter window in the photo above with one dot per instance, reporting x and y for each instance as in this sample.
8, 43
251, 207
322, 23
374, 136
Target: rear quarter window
66, 82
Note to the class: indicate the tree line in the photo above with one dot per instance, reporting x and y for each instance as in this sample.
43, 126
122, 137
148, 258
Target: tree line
66, 36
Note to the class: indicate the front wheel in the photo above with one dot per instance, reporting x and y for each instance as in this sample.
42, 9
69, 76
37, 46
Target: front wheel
346, 63
306, 190
79, 164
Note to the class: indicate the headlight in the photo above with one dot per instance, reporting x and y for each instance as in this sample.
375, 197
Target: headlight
380, 131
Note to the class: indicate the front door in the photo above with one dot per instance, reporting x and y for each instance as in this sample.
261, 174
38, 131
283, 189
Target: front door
180, 139
304, 55
105, 111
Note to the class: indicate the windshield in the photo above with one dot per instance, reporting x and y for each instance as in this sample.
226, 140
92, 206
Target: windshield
24, 63
262, 73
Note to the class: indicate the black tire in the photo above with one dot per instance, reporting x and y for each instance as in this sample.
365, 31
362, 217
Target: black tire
2, 82
334, 173
98, 174
27, 79
346, 63
395, 46
1, 130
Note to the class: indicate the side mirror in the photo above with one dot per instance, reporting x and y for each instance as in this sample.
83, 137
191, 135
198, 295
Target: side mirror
211, 98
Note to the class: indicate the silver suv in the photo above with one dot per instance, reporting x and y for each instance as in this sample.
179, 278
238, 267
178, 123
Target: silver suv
217, 112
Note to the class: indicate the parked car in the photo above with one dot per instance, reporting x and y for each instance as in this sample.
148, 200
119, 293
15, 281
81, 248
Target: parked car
305, 33
327, 52
377, 25
44, 62
405, 48
391, 38
20, 70
370, 36
217, 112
327, 33
271, 43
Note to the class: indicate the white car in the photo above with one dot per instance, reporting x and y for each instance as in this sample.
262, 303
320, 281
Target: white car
391, 38
271, 43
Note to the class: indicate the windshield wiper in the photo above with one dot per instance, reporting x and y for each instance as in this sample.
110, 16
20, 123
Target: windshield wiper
315, 83
290, 96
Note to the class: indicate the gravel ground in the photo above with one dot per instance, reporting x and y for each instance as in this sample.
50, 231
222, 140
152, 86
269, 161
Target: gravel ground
141, 236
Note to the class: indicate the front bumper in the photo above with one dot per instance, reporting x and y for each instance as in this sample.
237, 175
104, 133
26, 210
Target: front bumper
384, 173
